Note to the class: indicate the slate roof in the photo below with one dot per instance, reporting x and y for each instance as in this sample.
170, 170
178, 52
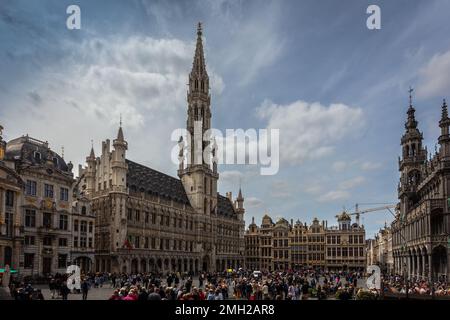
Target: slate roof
23, 149
145, 179
224, 206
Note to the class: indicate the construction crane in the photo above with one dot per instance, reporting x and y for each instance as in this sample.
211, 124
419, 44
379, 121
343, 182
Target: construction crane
357, 212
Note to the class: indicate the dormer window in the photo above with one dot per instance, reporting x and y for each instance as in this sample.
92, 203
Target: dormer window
55, 161
37, 156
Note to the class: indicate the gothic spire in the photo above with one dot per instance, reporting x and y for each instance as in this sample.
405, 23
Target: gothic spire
120, 135
444, 116
240, 197
411, 122
92, 154
120, 132
198, 66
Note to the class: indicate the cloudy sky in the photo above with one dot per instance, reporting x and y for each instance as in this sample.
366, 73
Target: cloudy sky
336, 90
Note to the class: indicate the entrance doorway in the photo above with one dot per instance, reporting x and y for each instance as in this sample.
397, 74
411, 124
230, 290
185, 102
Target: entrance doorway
46, 265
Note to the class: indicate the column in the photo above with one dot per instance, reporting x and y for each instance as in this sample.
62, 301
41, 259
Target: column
423, 266
430, 268
418, 265
2, 213
395, 264
415, 264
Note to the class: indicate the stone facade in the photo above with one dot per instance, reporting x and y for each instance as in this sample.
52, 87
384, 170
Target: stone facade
345, 245
43, 207
253, 247
284, 245
83, 231
11, 238
379, 251
149, 221
421, 229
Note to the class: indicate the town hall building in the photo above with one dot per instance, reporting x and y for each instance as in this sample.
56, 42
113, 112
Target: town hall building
149, 221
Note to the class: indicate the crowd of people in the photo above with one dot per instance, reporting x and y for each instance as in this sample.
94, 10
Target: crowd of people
239, 284
299, 285
415, 286
58, 286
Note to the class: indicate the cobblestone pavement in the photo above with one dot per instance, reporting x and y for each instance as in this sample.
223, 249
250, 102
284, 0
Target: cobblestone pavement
103, 293
94, 294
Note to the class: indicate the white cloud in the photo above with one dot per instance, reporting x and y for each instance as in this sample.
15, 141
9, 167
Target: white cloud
339, 166
334, 196
142, 78
342, 190
367, 166
252, 202
255, 39
280, 189
434, 77
310, 130
231, 176
351, 183
313, 188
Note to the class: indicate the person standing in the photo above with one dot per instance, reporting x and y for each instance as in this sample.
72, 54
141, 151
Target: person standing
84, 289
52, 287
64, 290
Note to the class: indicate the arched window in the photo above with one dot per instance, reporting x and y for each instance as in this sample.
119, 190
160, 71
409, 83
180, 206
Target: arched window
83, 210
37, 156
